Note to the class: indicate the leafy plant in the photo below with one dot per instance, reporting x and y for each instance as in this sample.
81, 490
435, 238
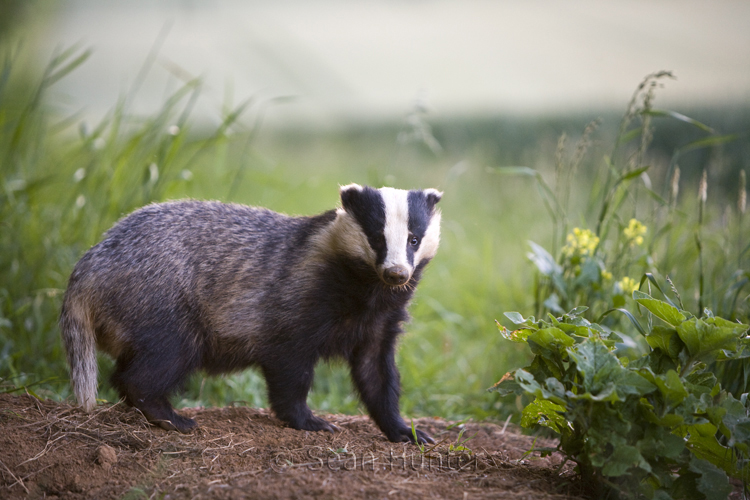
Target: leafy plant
659, 426
633, 234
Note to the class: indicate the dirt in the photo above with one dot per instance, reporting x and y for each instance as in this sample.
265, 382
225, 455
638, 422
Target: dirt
54, 450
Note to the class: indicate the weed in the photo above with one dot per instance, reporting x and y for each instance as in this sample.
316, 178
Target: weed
654, 426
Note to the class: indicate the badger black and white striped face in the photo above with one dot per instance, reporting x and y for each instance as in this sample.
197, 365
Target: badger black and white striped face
401, 229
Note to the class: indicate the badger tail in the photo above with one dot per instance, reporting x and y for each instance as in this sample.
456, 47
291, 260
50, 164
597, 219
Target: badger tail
79, 339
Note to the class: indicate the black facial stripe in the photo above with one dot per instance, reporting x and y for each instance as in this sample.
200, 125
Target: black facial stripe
368, 209
420, 213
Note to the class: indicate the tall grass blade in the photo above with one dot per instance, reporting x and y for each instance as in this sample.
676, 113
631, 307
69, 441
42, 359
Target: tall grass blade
714, 140
680, 117
627, 313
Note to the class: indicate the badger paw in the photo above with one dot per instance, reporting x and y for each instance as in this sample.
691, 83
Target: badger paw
318, 424
177, 423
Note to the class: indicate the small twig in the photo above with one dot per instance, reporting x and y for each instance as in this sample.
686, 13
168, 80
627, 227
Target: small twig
246, 473
507, 421
43, 452
18, 481
36, 403
96, 414
492, 457
436, 445
34, 473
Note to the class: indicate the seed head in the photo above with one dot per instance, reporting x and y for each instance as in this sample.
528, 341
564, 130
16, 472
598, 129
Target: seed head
675, 184
703, 187
742, 199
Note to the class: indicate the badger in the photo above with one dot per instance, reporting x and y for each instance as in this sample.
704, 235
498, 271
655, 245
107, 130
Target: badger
183, 286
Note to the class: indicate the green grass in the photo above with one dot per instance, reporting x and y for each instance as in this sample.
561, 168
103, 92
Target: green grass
63, 184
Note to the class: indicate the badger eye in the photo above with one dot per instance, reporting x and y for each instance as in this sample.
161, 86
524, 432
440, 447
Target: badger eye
413, 240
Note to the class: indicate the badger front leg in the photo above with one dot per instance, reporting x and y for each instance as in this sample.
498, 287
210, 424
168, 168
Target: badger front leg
288, 384
376, 377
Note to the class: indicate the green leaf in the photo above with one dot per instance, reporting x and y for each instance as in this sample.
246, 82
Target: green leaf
667, 313
598, 366
629, 135
529, 384
659, 442
506, 385
543, 260
551, 338
737, 423
713, 481
704, 445
671, 387
543, 413
650, 277
666, 339
577, 311
632, 174
518, 319
706, 338
514, 335
553, 301
579, 331
631, 382
704, 380
623, 458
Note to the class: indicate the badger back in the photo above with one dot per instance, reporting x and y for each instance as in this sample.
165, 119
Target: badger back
395, 231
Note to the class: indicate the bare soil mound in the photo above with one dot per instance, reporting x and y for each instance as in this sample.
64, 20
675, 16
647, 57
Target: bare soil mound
54, 450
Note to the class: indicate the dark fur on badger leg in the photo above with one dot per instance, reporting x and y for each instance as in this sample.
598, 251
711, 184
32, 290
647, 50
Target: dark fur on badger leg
288, 384
136, 381
377, 380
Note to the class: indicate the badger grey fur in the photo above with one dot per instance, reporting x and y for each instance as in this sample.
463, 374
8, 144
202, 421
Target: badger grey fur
183, 286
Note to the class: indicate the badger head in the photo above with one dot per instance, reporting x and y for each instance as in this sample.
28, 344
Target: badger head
393, 230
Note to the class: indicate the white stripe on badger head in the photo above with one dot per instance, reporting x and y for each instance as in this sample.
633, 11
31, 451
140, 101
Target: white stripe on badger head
429, 245
396, 229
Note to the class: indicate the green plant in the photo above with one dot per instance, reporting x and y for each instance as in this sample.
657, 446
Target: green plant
633, 234
61, 188
658, 426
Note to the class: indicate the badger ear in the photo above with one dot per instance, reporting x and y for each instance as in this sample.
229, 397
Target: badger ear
349, 195
433, 196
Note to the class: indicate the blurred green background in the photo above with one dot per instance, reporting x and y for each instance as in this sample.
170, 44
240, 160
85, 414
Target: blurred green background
68, 174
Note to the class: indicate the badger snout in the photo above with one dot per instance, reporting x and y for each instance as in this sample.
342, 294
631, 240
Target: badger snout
396, 275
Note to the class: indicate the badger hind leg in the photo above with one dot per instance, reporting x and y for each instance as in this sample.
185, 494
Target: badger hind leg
147, 377
159, 411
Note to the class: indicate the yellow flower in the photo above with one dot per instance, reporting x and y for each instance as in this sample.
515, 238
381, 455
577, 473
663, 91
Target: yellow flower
634, 232
606, 275
581, 242
627, 285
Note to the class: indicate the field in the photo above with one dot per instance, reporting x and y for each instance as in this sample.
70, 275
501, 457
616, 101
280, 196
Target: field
66, 181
